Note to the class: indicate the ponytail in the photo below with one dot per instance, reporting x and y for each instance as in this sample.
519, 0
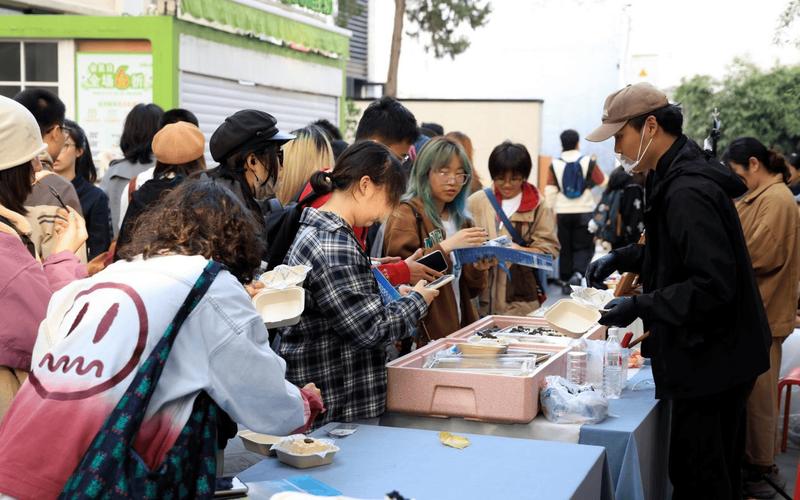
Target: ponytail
322, 182
742, 149
777, 165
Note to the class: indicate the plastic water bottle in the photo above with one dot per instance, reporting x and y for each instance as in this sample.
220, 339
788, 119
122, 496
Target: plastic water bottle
612, 366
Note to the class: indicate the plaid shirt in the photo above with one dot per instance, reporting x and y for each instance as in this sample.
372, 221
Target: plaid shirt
340, 341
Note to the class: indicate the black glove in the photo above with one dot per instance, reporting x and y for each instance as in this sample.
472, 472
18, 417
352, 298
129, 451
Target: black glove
619, 312
600, 269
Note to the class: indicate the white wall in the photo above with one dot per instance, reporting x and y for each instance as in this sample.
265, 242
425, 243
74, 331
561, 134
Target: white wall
561, 52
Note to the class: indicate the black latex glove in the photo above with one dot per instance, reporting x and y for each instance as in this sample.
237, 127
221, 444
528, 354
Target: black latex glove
619, 312
600, 269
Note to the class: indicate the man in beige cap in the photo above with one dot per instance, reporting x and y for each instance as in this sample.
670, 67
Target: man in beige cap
709, 334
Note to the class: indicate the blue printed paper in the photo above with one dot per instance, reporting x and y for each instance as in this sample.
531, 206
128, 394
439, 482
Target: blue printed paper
503, 254
388, 293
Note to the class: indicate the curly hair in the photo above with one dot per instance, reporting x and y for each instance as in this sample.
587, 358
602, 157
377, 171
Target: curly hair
200, 217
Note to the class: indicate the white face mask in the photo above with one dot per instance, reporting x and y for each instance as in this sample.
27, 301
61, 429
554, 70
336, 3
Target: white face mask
627, 164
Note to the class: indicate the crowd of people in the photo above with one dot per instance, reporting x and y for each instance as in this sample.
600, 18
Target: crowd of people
136, 290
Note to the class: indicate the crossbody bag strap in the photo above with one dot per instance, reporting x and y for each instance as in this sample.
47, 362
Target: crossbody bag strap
503, 218
146, 379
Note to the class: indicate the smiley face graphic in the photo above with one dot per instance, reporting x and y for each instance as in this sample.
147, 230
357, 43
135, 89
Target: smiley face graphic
81, 364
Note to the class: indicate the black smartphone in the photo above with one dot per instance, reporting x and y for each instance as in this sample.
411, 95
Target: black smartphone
434, 260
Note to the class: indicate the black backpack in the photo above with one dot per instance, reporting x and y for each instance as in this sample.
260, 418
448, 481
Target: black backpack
282, 225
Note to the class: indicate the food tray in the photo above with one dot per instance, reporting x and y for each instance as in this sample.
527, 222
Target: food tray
488, 397
597, 332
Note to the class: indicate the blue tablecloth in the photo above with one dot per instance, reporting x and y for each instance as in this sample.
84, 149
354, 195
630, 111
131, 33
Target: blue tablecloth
377, 460
636, 437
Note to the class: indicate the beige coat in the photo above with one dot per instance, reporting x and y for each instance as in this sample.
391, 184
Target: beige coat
403, 236
537, 227
771, 226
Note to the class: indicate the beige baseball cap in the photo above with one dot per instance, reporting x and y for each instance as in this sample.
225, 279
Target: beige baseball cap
20, 137
624, 104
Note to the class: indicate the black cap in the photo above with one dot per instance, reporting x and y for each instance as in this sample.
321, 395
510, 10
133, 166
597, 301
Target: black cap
244, 127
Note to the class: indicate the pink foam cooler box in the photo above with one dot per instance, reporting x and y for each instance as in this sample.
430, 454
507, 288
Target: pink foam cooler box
597, 332
471, 395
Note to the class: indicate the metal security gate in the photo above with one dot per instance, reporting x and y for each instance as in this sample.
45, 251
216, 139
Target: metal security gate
213, 99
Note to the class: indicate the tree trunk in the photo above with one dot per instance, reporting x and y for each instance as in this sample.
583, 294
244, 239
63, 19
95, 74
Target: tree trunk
394, 56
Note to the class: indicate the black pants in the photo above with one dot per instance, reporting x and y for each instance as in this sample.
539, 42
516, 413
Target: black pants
707, 445
577, 244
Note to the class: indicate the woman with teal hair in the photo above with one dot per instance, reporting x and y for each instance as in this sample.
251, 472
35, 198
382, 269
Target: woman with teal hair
433, 217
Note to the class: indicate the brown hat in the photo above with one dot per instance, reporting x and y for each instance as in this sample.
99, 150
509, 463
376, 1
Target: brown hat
178, 143
624, 104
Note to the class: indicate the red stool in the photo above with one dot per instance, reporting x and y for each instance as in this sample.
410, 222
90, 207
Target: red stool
793, 378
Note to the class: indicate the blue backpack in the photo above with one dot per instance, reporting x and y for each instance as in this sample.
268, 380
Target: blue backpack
573, 182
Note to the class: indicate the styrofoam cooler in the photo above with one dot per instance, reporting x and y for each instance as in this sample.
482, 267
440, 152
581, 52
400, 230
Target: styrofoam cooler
597, 332
471, 395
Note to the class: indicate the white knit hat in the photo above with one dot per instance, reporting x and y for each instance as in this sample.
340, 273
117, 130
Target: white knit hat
20, 137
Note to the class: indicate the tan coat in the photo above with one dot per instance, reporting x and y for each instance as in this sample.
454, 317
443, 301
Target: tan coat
538, 228
402, 239
771, 226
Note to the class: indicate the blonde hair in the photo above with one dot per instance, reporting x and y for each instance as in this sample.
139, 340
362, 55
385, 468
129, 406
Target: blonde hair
308, 153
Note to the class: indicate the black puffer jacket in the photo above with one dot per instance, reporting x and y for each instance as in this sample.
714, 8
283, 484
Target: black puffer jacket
701, 304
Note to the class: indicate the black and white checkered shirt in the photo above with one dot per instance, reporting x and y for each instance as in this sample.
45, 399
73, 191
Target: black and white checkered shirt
340, 341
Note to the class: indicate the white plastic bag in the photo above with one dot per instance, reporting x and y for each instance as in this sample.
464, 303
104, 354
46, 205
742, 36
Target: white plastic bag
567, 403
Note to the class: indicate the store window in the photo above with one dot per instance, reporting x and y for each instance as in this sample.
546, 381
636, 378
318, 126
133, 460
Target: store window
28, 65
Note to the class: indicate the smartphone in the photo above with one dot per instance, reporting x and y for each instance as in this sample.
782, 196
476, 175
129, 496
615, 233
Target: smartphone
440, 282
434, 260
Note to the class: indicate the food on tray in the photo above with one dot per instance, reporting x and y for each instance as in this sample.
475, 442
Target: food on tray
307, 446
532, 330
488, 332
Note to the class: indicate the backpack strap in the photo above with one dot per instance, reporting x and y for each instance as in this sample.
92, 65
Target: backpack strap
503, 218
420, 225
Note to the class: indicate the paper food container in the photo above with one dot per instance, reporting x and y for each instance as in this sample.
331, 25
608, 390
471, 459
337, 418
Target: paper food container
572, 318
280, 308
482, 348
290, 450
258, 443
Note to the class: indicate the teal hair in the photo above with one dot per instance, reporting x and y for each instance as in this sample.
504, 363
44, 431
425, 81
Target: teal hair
437, 153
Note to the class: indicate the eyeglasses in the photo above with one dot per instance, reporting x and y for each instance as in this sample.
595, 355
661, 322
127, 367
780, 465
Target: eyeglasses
512, 181
447, 177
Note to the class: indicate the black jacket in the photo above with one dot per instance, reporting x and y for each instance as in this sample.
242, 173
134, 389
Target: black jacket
708, 328
94, 205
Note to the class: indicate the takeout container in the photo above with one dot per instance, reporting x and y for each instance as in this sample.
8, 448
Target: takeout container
280, 308
304, 461
483, 349
258, 443
571, 318
473, 395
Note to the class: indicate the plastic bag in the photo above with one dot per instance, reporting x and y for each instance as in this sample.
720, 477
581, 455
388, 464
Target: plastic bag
567, 403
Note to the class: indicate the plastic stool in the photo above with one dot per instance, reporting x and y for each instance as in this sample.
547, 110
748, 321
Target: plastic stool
793, 378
